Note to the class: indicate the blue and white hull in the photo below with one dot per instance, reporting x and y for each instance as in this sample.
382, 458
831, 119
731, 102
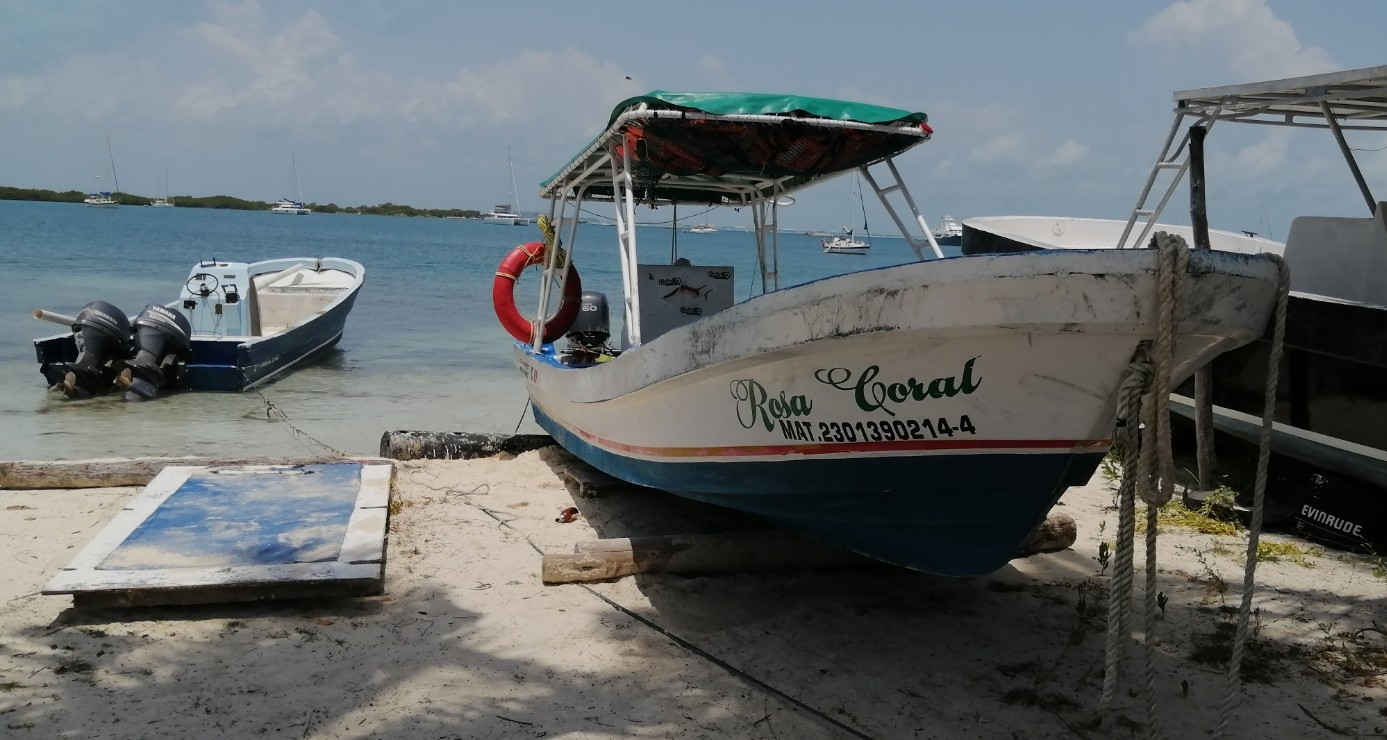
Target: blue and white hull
928, 414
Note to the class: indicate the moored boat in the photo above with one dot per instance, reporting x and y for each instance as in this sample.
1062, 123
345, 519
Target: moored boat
949, 232
291, 207
927, 414
502, 214
234, 326
1330, 399
102, 199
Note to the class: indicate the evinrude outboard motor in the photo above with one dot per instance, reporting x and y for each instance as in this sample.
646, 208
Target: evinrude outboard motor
587, 338
163, 340
102, 333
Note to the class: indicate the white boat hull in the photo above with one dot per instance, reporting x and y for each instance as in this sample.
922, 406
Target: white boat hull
928, 414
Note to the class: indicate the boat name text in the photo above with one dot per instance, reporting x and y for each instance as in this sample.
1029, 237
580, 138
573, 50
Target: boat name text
756, 405
875, 395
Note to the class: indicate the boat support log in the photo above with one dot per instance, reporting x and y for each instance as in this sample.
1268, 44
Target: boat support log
600, 560
407, 445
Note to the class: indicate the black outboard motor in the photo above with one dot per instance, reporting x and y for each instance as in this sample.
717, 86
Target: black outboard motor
102, 333
587, 338
163, 341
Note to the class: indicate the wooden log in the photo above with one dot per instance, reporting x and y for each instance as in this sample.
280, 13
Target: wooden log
409, 445
122, 472
598, 560
584, 481
1058, 532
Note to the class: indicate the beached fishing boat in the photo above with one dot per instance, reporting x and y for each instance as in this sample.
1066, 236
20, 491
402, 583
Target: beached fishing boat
927, 414
234, 326
1330, 401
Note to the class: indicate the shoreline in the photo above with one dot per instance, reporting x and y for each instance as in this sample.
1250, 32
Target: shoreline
467, 642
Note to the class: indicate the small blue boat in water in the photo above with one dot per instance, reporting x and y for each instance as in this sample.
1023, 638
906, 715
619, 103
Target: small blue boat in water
234, 326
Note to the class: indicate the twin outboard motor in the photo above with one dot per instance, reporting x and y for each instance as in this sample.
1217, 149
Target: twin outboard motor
587, 338
102, 333
163, 341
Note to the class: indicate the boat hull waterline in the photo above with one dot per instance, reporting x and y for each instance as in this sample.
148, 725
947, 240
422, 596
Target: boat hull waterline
891, 411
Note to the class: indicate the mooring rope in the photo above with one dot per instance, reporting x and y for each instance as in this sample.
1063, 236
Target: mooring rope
1127, 442
1141, 405
273, 410
1254, 533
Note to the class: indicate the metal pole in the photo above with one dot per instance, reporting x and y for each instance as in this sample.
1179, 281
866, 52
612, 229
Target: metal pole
1343, 147
1203, 377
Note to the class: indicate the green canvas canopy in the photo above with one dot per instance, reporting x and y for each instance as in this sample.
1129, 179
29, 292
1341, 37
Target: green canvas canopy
734, 148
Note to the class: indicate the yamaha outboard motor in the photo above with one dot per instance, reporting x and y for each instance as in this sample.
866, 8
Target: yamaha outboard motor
163, 340
587, 338
102, 333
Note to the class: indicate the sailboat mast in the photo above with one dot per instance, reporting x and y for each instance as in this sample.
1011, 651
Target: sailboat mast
863, 201
514, 191
114, 176
294, 163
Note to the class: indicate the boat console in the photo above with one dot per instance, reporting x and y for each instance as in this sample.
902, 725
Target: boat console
214, 300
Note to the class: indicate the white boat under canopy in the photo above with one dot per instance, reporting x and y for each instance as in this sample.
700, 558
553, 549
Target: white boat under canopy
927, 414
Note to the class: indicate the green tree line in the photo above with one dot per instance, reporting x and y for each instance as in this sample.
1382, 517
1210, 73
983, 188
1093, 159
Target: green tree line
232, 203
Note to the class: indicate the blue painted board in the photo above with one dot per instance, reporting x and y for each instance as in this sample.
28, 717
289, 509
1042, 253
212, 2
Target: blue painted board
237, 517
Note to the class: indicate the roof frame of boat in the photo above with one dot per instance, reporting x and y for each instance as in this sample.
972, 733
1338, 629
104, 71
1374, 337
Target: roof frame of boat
731, 149
1349, 100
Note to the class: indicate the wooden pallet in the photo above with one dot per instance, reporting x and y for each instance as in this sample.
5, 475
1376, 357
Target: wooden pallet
204, 534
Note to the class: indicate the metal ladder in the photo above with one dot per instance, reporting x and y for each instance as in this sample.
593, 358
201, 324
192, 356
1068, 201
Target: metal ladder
1174, 158
917, 243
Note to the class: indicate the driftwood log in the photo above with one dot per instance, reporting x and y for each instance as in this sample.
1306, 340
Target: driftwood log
115, 473
407, 445
601, 560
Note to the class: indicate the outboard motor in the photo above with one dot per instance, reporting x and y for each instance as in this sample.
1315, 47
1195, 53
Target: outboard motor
102, 333
163, 340
587, 338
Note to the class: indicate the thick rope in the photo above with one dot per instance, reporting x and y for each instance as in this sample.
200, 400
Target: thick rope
1127, 442
1147, 469
1174, 262
1254, 533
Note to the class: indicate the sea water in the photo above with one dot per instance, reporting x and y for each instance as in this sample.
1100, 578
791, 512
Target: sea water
422, 348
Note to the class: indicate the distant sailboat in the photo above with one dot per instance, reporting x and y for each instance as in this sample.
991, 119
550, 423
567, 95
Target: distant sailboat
292, 207
164, 202
846, 243
105, 198
502, 213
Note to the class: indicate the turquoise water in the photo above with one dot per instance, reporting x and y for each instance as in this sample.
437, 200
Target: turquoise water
422, 348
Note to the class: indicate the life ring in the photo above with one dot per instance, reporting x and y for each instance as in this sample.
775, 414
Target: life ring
503, 295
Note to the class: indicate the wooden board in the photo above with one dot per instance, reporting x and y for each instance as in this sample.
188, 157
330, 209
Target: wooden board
203, 534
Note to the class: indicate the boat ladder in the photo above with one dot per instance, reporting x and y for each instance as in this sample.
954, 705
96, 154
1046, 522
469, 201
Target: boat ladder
920, 238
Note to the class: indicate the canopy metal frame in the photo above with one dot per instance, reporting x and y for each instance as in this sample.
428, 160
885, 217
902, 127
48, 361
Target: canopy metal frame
604, 172
1352, 100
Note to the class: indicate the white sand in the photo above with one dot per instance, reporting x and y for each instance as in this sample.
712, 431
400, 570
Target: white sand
467, 643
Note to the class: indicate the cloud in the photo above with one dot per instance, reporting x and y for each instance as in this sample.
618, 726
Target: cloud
1005, 149
240, 68
711, 69
1253, 41
1065, 155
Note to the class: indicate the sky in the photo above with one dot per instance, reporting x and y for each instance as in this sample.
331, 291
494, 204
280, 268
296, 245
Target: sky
1039, 108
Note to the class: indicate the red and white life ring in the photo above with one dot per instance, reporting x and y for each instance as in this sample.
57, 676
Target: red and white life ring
503, 295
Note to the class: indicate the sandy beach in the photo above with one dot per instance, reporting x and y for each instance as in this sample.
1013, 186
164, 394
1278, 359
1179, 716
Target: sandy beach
468, 643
